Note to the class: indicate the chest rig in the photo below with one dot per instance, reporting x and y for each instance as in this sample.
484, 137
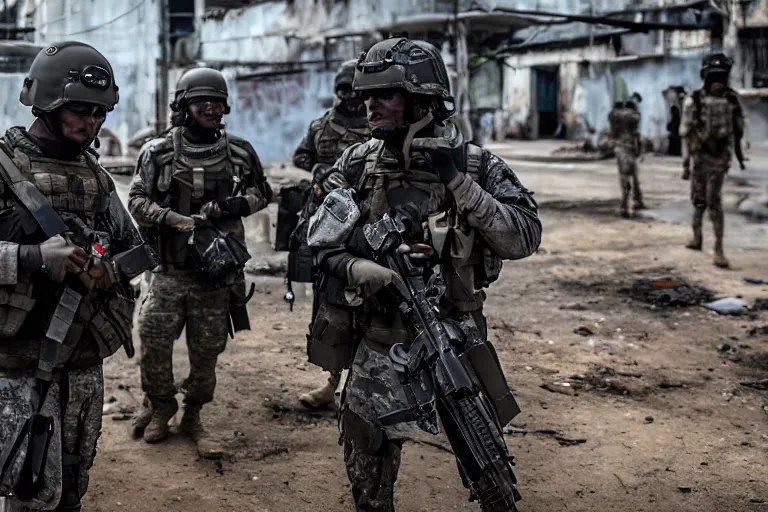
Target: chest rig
627, 124
191, 176
337, 134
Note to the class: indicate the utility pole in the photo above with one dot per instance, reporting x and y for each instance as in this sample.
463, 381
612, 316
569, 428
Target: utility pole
163, 63
7, 20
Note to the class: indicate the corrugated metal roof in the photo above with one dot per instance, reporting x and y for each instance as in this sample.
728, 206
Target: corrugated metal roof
561, 33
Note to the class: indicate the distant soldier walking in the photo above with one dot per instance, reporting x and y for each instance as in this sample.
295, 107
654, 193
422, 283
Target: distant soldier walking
624, 121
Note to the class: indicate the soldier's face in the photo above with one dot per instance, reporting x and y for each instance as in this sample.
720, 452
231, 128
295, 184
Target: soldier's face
385, 108
207, 113
717, 89
81, 122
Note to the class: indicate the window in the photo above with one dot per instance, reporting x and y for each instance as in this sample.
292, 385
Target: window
181, 18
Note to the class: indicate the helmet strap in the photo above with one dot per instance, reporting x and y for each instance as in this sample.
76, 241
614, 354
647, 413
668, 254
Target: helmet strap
412, 131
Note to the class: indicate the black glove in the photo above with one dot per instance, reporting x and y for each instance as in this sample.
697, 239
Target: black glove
236, 206
412, 216
441, 156
442, 163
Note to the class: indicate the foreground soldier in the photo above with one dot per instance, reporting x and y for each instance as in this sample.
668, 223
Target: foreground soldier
327, 138
477, 213
196, 169
624, 120
712, 125
64, 309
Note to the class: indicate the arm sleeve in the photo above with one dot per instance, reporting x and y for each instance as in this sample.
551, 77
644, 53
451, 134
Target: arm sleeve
501, 209
140, 203
687, 120
306, 155
256, 190
9, 263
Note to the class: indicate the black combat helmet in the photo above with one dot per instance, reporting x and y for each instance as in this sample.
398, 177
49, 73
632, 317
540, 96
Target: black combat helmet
69, 72
414, 66
199, 83
345, 76
716, 65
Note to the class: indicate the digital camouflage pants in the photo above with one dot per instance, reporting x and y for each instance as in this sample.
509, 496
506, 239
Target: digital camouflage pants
73, 445
176, 299
628, 179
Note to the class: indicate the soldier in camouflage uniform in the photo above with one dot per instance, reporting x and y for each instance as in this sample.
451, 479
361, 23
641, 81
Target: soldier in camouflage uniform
624, 120
712, 122
327, 138
197, 169
53, 293
471, 212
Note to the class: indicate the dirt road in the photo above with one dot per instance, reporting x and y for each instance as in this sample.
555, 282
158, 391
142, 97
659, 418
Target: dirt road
655, 418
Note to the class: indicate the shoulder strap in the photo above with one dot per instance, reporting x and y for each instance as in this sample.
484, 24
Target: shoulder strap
31, 198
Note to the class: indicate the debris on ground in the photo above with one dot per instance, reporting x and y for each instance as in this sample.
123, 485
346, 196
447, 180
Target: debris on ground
761, 385
761, 304
648, 420
685, 490
564, 441
564, 388
728, 306
754, 280
584, 331
756, 209
758, 331
670, 292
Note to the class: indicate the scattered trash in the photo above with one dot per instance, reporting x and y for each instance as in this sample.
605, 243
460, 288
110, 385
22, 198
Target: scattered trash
761, 304
574, 306
728, 306
671, 385
122, 417
669, 292
648, 420
280, 327
757, 500
725, 347
761, 385
685, 490
754, 280
564, 441
758, 331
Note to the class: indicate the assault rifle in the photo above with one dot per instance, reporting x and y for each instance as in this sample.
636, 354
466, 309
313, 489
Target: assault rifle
438, 381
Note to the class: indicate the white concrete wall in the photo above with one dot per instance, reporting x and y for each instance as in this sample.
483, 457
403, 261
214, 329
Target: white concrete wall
126, 32
13, 113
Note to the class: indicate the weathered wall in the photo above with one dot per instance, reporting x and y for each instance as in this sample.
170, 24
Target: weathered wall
126, 32
275, 114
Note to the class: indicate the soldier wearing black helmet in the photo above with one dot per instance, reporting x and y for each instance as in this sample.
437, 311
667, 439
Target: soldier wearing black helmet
712, 126
66, 299
343, 125
467, 211
195, 174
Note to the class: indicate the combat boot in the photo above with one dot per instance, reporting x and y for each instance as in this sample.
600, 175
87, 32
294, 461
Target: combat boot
321, 397
192, 426
141, 421
719, 260
157, 430
695, 242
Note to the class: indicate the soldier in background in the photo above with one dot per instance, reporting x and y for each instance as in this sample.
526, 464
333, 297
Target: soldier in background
624, 121
712, 125
327, 138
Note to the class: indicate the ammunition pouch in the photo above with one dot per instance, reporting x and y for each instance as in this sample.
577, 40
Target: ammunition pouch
292, 200
219, 255
332, 340
15, 304
110, 321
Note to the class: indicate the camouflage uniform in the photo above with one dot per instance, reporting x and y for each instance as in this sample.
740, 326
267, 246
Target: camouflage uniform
485, 217
77, 187
625, 124
710, 124
178, 294
323, 144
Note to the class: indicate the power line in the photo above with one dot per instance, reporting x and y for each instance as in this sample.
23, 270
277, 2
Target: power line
97, 27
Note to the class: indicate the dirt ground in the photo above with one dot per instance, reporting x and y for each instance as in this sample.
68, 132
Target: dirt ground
655, 418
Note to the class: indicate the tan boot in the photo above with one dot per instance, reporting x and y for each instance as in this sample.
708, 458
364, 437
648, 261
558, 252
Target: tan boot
192, 426
141, 421
321, 397
695, 242
157, 430
719, 260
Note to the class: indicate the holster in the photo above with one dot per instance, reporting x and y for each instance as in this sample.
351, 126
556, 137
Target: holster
332, 336
238, 319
